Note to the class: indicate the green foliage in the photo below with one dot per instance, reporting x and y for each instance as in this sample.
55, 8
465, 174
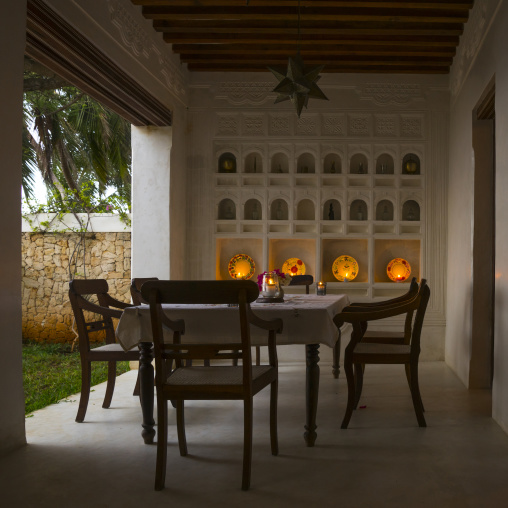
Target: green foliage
51, 372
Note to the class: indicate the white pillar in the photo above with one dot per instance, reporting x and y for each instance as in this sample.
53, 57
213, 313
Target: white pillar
151, 149
12, 46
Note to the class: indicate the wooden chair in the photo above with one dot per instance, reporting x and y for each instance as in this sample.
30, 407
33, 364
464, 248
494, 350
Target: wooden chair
381, 337
135, 288
302, 280
224, 382
359, 353
88, 323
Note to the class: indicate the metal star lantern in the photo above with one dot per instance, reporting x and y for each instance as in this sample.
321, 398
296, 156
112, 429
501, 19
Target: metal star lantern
298, 84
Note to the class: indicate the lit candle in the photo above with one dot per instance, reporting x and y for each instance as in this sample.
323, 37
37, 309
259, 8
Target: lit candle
345, 278
321, 288
271, 288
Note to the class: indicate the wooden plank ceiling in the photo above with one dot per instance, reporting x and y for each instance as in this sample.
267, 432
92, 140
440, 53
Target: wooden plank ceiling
356, 36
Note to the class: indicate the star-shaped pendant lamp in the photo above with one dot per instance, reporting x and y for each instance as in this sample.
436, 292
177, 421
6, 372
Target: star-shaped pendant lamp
297, 83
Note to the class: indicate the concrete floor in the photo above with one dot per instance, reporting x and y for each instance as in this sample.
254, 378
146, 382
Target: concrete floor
383, 459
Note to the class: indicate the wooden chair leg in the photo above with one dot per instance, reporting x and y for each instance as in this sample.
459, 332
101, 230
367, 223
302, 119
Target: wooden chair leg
274, 441
180, 427
162, 443
408, 377
348, 369
258, 355
358, 371
247, 442
136, 387
86, 374
110, 387
336, 358
415, 395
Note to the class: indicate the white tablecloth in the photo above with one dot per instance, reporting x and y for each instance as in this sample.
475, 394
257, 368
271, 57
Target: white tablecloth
308, 319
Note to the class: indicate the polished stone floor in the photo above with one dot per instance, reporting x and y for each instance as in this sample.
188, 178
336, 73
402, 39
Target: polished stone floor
383, 460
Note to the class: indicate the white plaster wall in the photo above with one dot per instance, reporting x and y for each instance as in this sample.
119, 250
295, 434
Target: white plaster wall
99, 222
470, 77
229, 112
12, 404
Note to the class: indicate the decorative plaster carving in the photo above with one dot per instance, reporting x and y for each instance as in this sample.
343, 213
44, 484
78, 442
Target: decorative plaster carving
253, 125
134, 36
280, 125
411, 126
227, 125
359, 124
334, 125
480, 18
391, 93
240, 92
307, 125
385, 125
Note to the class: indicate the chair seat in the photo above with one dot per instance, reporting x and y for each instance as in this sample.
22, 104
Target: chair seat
108, 351
208, 376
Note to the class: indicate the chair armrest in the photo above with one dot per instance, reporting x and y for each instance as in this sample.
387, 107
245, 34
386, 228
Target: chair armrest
272, 324
174, 325
113, 302
98, 309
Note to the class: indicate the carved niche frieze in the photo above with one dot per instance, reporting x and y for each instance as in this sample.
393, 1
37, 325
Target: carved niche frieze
228, 125
385, 126
253, 125
334, 125
307, 125
390, 93
239, 92
411, 126
280, 125
359, 124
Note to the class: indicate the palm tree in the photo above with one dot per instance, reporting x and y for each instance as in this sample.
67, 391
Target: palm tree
78, 145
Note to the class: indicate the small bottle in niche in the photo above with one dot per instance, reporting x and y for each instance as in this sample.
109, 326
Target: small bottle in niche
411, 214
360, 168
383, 169
228, 214
331, 213
255, 164
279, 170
385, 215
278, 212
332, 168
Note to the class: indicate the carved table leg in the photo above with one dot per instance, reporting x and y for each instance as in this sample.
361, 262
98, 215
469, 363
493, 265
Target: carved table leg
146, 390
336, 358
311, 392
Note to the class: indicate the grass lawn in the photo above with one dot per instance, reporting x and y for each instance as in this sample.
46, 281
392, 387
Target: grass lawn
52, 372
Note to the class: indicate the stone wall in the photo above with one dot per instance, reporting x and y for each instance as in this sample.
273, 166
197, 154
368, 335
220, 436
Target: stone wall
47, 314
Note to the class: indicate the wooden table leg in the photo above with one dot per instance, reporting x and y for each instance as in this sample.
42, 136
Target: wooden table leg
311, 392
336, 358
146, 391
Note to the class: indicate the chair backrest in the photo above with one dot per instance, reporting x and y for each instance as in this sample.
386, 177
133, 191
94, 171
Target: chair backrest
359, 318
88, 323
235, 292
135, 288
302, 280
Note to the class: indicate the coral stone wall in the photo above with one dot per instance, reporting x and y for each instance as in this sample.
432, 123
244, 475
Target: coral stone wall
47, 313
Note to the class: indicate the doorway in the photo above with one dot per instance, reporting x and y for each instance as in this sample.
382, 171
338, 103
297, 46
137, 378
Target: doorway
481, 370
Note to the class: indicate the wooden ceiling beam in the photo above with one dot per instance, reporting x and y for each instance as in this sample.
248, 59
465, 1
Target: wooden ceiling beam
400, 15
274, 39
394, 4
214, 49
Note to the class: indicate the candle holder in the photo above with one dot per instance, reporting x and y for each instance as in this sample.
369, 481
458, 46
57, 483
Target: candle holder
321, 288
270, 289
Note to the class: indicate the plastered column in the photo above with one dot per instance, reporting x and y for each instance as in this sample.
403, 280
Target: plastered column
12, 45
151, 149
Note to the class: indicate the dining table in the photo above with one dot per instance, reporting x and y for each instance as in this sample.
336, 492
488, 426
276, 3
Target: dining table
307, 320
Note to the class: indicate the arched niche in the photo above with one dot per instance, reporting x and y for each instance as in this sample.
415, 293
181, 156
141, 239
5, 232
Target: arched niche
252, 210
227, 163
279, 163
279, 210
253, 163
359, 164
384, 210
385, 164
331, 210
411, 164
227, 210
411, 210
332, 164
306, 163
305, 210
358, 210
